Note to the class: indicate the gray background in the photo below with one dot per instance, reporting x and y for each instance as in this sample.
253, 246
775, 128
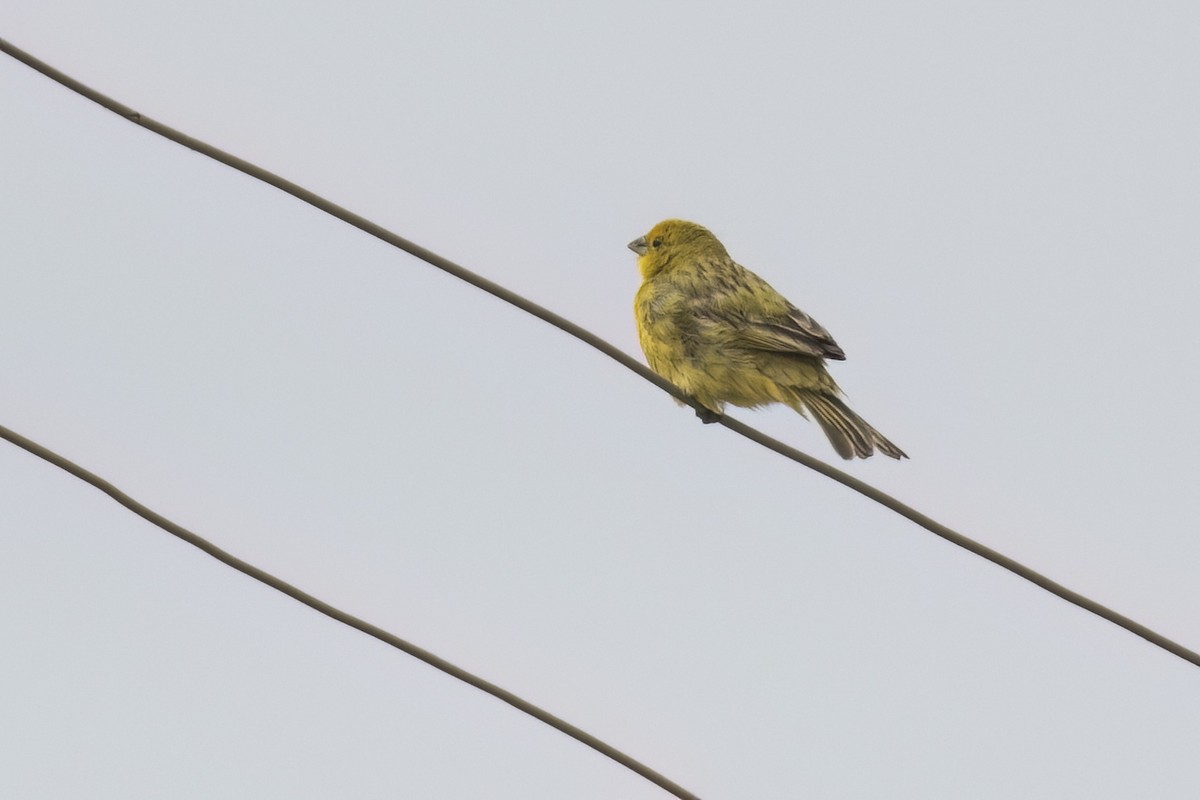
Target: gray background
993, 207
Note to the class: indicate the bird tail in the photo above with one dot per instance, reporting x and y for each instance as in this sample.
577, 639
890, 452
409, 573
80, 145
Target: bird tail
849, 433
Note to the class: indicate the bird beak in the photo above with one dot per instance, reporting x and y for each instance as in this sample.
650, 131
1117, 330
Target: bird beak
638, 245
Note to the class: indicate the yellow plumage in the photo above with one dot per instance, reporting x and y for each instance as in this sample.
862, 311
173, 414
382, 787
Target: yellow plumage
723, 335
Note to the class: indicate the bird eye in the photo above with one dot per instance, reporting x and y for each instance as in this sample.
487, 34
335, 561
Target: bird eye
657, 242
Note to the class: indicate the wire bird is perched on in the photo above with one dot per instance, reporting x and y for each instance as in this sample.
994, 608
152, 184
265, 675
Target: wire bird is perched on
723, 335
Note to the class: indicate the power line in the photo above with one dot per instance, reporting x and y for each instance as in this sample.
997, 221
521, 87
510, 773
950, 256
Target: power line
608, 349
307, 599
982, 550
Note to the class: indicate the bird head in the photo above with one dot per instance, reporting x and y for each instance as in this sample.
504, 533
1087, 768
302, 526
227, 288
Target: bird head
672, 239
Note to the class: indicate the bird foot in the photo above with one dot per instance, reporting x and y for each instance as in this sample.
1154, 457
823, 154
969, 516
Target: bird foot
708, 416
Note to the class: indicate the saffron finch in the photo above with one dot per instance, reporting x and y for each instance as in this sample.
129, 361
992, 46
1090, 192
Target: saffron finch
723, 335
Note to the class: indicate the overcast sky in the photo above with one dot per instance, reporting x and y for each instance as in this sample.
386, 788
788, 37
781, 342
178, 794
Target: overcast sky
992, 207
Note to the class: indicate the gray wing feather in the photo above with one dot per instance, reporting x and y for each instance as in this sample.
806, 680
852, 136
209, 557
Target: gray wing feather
795, 333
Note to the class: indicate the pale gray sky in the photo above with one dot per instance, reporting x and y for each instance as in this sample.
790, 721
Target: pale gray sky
992, 207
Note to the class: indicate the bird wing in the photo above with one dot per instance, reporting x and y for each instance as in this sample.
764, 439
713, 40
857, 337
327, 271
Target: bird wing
750, 314
792, 332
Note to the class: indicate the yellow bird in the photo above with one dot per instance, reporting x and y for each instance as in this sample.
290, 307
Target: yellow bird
723, 335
